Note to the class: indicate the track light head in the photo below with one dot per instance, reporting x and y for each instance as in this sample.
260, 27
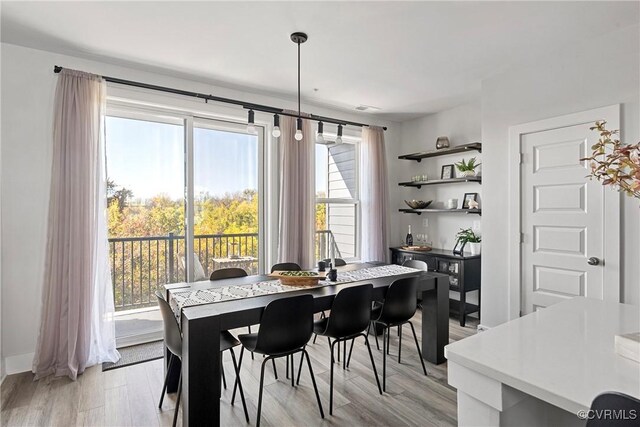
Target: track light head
251, 127
339, 137
275, 132
319, 135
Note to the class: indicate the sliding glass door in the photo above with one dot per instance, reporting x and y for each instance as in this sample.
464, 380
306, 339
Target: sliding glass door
185, 198
146, 216
227, 199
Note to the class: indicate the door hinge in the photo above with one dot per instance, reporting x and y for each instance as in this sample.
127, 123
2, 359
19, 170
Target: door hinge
521, 237
521, 158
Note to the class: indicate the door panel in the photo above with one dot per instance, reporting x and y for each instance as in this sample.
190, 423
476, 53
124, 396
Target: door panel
562, 218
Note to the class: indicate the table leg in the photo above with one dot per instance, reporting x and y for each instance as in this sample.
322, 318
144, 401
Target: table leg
435, 321
201, 372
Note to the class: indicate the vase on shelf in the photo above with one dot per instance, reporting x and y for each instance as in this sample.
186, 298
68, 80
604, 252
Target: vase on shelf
468, 174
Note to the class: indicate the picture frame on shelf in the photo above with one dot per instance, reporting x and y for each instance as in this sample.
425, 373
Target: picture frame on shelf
447, 172
468, 197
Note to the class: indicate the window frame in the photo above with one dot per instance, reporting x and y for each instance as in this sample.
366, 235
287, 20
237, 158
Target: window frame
117, 107
355, 201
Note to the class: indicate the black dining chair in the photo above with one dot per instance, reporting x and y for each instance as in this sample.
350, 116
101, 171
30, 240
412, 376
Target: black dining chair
397, 309
173, 342
625, 408
285, 329
339, 262
229, 273
349, 318
286, 266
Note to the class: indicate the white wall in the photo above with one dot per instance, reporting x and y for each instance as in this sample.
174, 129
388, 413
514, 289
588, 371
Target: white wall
461, 125
601, 72
28, 85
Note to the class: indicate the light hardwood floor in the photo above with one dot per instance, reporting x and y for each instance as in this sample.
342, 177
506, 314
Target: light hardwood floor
129, 396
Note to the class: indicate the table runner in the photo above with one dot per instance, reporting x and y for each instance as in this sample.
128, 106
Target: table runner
180, 298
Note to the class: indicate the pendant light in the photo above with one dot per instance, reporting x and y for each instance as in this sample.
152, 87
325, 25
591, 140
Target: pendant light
276, 126
298, 38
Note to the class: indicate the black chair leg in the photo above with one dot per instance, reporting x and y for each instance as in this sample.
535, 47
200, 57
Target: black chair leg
344, 354
385, 332
300, 367
350, 351
249, 328
388, 338
415, 337
373, 364
235, 385
239, 383
175, 412
260, 393
292, 374
166, 380
399, 342
375, 334
313, 380
287, 367
275, 370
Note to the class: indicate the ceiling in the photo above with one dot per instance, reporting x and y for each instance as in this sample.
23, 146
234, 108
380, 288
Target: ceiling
406, 58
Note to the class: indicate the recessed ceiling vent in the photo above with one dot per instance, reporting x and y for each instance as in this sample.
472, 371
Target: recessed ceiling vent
367, 108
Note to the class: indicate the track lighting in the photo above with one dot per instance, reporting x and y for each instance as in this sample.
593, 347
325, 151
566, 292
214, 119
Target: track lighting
251, 126
276, 126
339, 137
298, 135
319, 135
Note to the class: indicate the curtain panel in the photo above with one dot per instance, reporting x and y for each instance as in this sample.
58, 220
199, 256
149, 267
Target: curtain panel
297, 194
374, 195
76, 324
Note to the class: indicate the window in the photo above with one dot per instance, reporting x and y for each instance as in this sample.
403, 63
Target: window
337, 207
185, 198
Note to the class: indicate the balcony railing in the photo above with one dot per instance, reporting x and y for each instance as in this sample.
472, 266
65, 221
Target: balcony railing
141, 265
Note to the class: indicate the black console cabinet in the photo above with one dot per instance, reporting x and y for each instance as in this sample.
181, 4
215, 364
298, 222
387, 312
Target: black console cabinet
463, 271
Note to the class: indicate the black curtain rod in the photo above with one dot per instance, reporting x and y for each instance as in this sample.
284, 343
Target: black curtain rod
207, 98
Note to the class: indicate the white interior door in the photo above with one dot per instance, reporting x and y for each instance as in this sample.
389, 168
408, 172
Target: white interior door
563, 217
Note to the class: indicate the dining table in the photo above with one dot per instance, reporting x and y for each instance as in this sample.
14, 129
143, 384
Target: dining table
202, 320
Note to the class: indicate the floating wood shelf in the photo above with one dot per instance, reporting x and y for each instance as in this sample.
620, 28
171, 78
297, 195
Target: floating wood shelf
421, 211
474, 146
419, 184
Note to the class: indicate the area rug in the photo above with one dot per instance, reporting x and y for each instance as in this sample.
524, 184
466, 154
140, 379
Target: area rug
136, 354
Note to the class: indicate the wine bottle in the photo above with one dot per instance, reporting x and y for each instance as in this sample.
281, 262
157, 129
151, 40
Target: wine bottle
409, 240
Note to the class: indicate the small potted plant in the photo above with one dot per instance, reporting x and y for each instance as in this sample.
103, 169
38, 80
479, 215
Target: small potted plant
468, 168
467, 235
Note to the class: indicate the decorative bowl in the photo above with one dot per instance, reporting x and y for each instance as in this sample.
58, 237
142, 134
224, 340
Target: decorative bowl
299, 278
417, 204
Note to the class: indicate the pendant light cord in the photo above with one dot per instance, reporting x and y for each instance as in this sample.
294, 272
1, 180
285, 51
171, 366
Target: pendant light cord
299, 115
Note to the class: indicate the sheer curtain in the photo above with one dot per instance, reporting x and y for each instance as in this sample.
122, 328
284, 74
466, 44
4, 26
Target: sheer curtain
374, 195
297, 194
76, 326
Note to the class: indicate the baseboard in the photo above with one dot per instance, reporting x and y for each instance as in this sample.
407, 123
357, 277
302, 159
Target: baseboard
18, 363
482, 328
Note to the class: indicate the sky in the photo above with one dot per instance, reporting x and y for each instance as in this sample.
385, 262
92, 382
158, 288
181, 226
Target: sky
148, 158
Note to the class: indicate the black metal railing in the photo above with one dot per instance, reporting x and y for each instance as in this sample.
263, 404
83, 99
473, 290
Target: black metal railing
141, 265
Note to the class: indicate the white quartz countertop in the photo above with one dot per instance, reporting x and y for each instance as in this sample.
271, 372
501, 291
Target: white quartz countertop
563, 354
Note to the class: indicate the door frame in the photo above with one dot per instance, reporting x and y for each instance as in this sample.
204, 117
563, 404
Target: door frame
611, 208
